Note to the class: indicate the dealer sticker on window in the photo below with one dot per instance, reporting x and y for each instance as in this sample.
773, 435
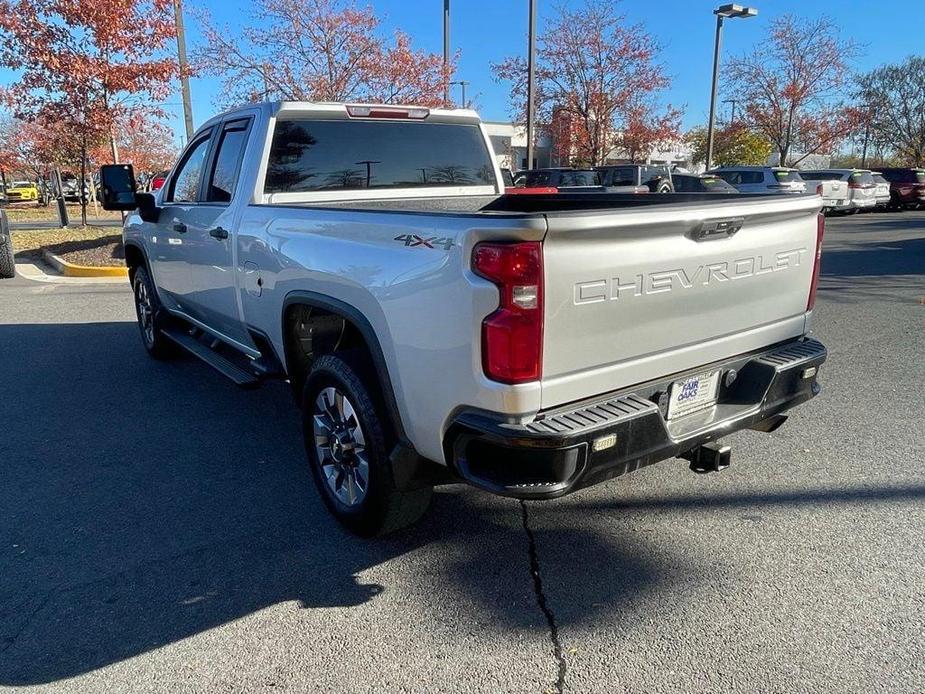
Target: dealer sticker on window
692, 394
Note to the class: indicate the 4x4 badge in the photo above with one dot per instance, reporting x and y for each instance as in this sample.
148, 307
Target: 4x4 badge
413, 241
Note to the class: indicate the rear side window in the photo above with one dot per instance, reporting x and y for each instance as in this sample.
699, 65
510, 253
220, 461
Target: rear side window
227, 162
623, 176
319, 155
786, 176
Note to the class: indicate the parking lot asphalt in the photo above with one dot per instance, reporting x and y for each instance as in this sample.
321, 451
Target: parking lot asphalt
159, 530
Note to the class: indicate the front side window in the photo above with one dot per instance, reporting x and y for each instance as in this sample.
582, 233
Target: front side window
185, 186
310, 155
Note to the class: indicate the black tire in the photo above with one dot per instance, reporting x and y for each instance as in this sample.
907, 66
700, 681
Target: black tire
7, 262
338, 460
151, 317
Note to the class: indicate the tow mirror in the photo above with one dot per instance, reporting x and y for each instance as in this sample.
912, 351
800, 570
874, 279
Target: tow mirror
117, 187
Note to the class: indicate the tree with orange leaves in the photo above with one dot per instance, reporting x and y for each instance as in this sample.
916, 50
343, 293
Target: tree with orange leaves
85, 63
597, 82
319, 50
82, 65
791, 87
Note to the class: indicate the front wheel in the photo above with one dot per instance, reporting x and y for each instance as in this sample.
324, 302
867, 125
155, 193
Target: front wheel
150, 316
348, 445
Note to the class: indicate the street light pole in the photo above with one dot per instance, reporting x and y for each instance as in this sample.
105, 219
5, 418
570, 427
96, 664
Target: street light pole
446, 52
531, 77
722, 12
184, 68
462, 84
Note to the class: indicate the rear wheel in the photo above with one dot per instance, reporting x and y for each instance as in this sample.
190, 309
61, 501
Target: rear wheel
348, 443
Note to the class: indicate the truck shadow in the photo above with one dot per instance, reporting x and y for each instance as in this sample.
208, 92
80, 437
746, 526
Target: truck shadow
143, 503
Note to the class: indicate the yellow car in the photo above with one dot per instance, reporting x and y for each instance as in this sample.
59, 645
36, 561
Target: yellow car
21, 191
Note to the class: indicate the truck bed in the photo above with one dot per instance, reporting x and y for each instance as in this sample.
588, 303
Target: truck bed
533, 205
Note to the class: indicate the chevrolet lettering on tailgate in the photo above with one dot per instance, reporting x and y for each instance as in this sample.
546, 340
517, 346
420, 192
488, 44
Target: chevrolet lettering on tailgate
702, 275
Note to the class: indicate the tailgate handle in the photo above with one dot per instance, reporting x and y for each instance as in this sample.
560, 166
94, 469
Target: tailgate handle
718, 228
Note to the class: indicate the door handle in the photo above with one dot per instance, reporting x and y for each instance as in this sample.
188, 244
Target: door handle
179, 227
218, 233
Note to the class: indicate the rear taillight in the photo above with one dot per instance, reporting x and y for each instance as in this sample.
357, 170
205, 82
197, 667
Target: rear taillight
512, 336
819, 189
157, 183
817, 262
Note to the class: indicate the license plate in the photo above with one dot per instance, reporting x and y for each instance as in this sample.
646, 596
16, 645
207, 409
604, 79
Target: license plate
692, 394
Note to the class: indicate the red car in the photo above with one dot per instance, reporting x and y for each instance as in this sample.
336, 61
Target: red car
907, 187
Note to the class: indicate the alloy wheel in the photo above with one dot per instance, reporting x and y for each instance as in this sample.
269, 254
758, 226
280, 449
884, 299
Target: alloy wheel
340, 446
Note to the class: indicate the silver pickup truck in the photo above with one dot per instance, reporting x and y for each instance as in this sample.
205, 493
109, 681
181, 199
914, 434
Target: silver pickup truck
435, 330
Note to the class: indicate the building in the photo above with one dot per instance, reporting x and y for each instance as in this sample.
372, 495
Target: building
509, 142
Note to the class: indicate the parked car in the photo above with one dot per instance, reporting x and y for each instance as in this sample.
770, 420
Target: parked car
762, 179
836, 196
439, 331
700, 183
22, 191
655, 177
862, 189
558, 178
907, 187
882, 192
157, 181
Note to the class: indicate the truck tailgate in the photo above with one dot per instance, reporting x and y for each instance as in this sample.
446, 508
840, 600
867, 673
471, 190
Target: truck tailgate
637, 294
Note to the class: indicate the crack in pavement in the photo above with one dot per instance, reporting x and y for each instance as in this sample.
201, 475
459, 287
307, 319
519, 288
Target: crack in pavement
542, 602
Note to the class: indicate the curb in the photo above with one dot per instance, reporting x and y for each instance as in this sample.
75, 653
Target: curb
70, 270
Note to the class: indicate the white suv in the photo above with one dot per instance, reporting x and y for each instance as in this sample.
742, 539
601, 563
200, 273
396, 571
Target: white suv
762, 179
862, 188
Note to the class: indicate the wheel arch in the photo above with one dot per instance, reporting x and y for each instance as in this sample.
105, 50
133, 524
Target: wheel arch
364, 330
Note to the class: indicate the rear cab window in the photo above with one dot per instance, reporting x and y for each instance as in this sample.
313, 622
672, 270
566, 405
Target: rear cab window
316, 155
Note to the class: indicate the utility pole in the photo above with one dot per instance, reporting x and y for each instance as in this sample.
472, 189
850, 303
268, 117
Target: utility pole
446, 53
732, 118
184, 68
462, 84
369, 169
531, 78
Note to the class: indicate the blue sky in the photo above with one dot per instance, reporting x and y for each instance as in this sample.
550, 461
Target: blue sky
487, 30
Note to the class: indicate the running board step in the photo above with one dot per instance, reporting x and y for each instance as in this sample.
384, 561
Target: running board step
230, 370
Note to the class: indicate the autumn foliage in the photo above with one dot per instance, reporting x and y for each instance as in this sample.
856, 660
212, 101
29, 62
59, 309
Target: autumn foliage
85, 64
319, 50
792, 86
597, 86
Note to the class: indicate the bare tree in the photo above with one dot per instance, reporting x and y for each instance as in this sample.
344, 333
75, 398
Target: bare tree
894, 98
792, 83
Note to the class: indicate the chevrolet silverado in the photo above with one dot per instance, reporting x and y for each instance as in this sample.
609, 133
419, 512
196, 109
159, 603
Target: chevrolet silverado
435, 330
